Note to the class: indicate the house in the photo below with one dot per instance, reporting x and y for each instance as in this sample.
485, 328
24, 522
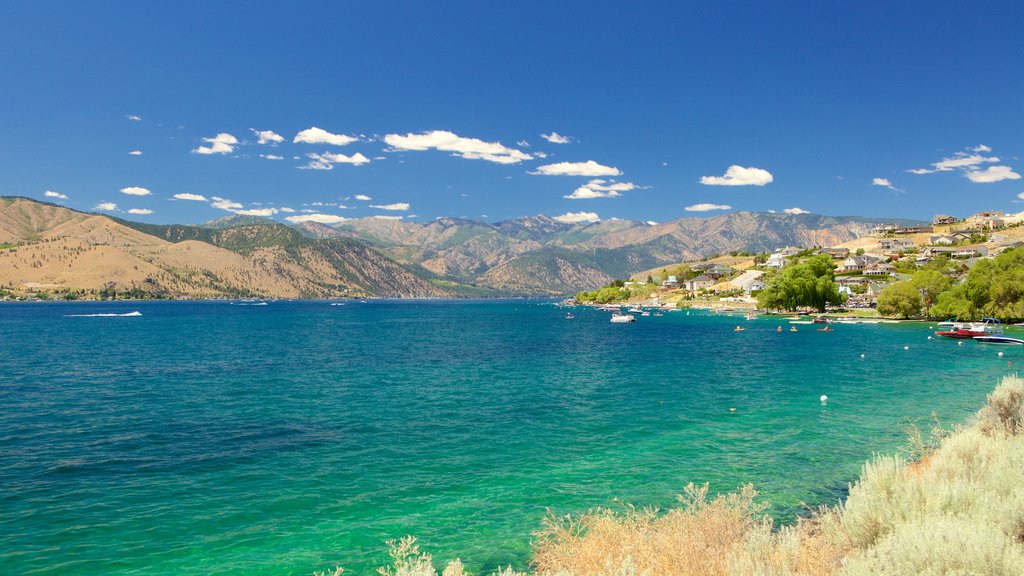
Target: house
835, 253
884, 229
859, 262
749, 281
879, 269
913, 230
702, 282
970, 251
896, 244
942, 239
943, 220
851, 280
992, 220
778, 258
672, 283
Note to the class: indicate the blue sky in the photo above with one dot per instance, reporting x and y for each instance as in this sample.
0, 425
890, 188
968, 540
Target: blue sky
491, 111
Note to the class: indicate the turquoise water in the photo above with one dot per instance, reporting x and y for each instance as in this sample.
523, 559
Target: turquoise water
281, 439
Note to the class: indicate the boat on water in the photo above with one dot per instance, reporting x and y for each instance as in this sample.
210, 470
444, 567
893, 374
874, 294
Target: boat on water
619, 318
820, 320
999, 339
569, 316
965, 331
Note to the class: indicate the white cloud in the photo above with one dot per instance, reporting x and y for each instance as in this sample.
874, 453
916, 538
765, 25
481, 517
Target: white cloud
52, 194
382, 217
556, 138
705, 207
316, 135
884, 182
287, 209
134, 117
107, 206
256, 212
142, 211
186, 196
445, 141
588, 168
1021, 195
267, 136
135, 153
992, 174
222, 143
316, 217
575, 217
327, 160
522, 143
396, 206
136, 191
363, 197
959, 161
271, 157
739, 176
651, 223
600, 189
225, 204
795, 211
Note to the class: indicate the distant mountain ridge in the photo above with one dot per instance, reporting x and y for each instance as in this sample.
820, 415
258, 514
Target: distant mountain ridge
529, 255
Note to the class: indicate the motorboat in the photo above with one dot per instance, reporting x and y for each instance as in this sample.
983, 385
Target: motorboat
999, 339
965, 330
619, 318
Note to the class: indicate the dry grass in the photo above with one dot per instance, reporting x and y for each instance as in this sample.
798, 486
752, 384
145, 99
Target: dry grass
956, 508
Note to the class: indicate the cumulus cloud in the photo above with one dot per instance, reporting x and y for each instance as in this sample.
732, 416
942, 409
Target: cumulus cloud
556, 138
651, 223
271, 157
401, 206
600, 189
445, 141
522, 143
576, 217
225, 204
142, 211
267, 137
885, 183
327, 160
964, 161
134, 117
316, 135
992, 174
135, 191
287, 209
52, 194
135, 153
739, 176
256, 212
187, 196
363, 197
795, 211
107, 206
705, 207
222, 143
316, 217
382, 217
588, 168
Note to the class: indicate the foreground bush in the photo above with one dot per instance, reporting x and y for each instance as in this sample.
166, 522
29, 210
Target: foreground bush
957, 509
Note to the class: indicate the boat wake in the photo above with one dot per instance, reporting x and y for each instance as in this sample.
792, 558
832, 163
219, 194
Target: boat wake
135, 313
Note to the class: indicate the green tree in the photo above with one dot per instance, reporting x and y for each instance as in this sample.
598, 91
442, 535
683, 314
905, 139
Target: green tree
900, 299
810, 282
930, 283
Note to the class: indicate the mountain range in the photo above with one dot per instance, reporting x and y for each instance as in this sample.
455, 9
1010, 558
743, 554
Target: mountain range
50, 247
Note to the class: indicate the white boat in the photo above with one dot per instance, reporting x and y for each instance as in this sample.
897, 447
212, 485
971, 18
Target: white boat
618, 318
999, 339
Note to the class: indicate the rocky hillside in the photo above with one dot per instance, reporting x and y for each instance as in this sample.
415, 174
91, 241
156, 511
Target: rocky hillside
59, 249
544, 256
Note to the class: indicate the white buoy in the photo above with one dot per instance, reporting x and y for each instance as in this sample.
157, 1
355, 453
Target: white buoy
1000, 354
824, 399
959, 343
929, 337
862, 356
906, 347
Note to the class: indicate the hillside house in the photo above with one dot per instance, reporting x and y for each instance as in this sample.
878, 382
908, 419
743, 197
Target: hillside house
944, 220
883, 229
942, 239
835, 253
987, 221
896, 244
879, 269
671, 283
702, 282
859, 262
971, 251
778, 259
